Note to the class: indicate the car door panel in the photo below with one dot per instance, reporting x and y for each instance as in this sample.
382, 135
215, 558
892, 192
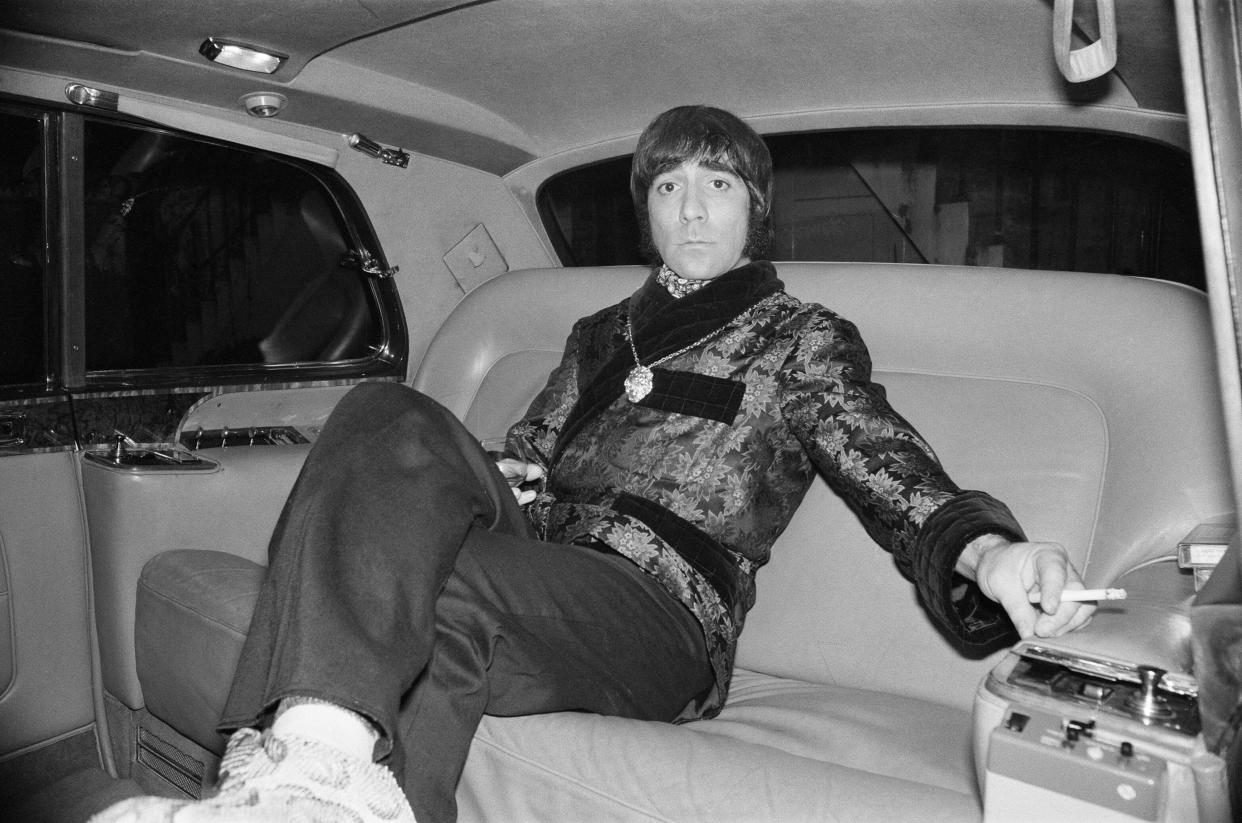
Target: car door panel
230, 505
45, 598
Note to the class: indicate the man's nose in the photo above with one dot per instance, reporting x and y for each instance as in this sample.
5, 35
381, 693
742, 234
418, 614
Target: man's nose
692, 207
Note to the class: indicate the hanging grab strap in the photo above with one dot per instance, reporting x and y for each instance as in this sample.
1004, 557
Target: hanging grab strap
1088, 62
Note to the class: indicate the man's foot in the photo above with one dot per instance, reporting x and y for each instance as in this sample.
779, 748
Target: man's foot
280, 778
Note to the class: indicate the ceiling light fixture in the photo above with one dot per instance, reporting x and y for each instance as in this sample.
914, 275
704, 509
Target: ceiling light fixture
240, 56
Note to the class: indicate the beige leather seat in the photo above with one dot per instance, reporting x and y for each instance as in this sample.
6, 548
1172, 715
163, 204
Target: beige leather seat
1088, 403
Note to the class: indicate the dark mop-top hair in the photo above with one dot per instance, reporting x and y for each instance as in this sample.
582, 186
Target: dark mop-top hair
716, 139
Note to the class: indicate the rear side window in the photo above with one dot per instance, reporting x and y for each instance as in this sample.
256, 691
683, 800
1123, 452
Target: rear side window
133, 256
1011, 198
204, 255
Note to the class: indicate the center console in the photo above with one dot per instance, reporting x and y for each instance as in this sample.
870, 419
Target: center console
1065, 729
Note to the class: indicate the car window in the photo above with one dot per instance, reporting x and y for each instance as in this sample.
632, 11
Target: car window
199, 254
1011, 198
22, 262
190, 263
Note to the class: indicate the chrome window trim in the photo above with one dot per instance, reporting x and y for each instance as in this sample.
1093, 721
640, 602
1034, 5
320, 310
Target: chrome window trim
1208, 39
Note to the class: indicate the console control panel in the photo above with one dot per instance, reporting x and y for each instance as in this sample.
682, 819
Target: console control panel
1073, 758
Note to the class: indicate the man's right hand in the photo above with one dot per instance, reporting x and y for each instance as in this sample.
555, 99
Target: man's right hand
517, 472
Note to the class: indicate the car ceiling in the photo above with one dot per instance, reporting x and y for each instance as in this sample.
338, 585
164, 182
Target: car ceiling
497, 83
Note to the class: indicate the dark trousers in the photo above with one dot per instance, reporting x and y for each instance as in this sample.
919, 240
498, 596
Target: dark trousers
404, 584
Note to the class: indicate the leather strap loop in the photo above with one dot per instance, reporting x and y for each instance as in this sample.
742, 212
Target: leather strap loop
1091, 61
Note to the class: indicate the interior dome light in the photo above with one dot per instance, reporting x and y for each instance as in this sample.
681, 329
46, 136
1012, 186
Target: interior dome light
240, 56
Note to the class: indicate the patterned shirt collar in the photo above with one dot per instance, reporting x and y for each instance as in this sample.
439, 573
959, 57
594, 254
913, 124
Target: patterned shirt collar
677, 285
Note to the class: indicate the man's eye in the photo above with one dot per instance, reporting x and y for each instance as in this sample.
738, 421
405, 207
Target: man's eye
720, 184
664, 188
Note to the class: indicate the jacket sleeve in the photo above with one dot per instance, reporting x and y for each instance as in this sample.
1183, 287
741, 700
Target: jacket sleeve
533, 437
890, 477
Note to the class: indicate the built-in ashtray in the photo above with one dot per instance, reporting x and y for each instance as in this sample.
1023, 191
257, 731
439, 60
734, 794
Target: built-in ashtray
149, 458
1137, 692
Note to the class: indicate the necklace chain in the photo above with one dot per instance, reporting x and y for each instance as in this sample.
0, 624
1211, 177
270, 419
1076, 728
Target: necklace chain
638, 382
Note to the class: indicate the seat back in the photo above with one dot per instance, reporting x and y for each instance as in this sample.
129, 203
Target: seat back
1089, 403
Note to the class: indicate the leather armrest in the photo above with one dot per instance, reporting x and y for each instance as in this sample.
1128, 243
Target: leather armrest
193, 612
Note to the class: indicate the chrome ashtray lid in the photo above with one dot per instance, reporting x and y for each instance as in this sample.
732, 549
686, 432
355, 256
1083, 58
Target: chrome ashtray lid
1137, 692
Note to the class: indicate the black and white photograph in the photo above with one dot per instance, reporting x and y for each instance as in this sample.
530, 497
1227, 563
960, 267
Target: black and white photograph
620, 411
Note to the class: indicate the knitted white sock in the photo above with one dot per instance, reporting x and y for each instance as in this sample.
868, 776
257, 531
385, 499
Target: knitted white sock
328, 723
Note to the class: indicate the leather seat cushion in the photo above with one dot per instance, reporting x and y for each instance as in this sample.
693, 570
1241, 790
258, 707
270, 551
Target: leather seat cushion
783, 749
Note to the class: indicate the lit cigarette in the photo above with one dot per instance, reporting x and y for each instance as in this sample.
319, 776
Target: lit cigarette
1080, 595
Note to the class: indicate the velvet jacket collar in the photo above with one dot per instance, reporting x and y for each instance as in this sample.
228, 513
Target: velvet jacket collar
662, 324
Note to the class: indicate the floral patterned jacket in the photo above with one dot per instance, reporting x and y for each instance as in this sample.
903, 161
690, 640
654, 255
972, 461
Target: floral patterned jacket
695, 481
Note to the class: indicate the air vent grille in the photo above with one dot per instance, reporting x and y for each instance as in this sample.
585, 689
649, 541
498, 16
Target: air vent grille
166, 760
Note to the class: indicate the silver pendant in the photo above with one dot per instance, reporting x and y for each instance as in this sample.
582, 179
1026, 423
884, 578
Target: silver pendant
638, 383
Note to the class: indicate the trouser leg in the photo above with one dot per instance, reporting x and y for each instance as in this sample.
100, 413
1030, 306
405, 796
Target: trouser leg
524, 627
403, 585
367, 537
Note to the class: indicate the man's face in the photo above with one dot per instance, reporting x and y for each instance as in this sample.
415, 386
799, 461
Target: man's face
699, 219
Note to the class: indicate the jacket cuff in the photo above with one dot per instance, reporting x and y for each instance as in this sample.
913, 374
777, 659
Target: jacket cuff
976, 624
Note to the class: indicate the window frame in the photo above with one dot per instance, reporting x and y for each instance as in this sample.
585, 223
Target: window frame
48, 121
65, 308
600, 171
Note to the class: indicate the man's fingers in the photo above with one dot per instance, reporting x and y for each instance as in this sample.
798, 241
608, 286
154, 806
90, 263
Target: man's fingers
1020, 611
1050, 576
1027, 580
519, 471
1067, 618
1054, 575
